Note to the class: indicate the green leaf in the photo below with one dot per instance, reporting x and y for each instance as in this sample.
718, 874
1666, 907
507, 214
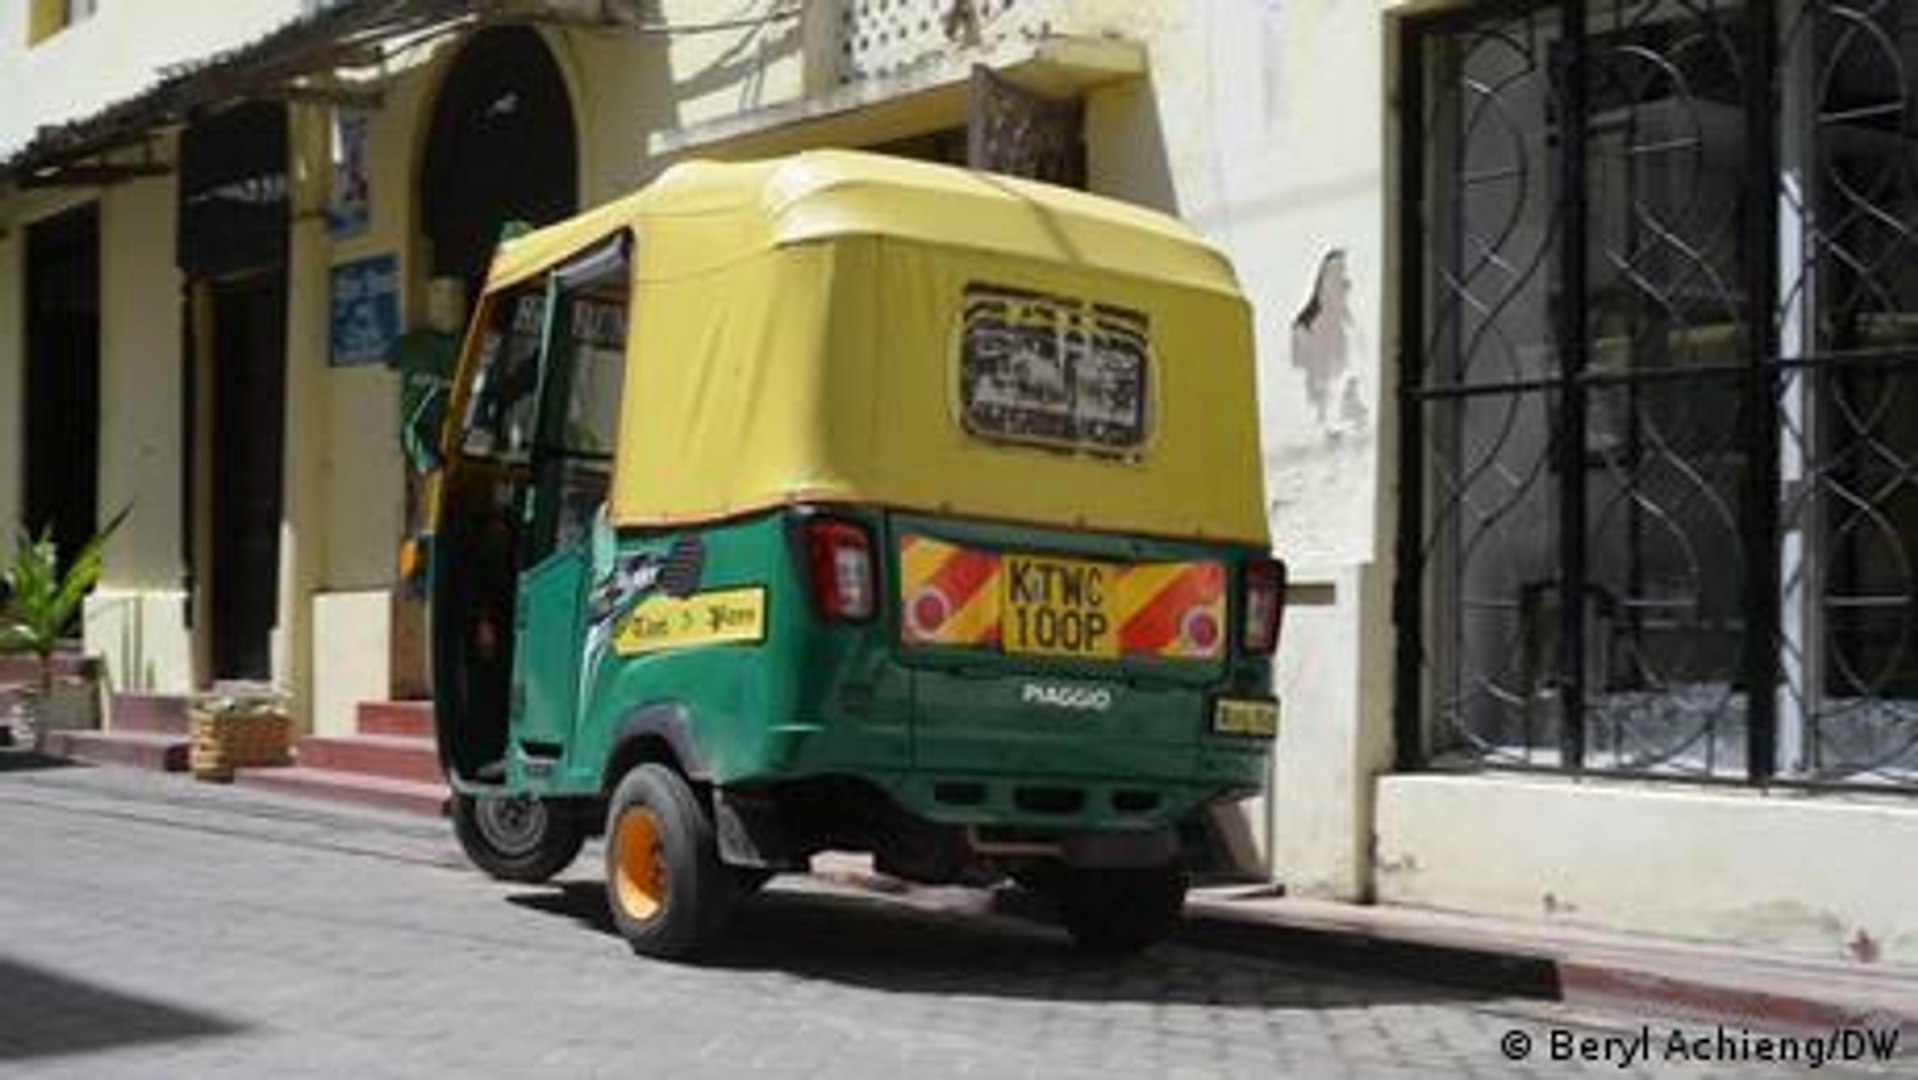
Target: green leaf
43, 601
85, 572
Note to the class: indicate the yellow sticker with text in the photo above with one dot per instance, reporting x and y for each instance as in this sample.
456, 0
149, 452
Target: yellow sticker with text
715, 618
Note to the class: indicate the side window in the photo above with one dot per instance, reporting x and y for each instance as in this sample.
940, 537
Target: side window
502, 404
596, 318
585, 373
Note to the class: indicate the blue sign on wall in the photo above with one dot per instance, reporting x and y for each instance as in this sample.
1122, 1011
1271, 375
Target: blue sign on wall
366, 310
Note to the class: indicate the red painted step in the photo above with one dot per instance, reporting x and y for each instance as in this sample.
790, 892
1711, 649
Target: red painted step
24, 668
160, 714
412, 719
395, 757
409, 796
158, 751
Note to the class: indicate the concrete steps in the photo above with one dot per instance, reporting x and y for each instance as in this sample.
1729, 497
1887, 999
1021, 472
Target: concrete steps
156, 714
24, 669
413, 719
392, 763
145, 731
157, 752
364, 789
398, 757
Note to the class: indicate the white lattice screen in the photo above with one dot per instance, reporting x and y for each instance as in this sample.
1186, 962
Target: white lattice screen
882, 37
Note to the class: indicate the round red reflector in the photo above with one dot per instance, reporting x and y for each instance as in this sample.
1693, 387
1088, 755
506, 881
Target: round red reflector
928, 612
1202, 630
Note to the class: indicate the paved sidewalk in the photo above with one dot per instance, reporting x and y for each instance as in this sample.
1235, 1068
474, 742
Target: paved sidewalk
1580, 967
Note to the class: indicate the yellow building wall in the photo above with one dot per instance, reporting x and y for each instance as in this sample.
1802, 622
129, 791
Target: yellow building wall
352, 455
140, 384
137, 619
626, 88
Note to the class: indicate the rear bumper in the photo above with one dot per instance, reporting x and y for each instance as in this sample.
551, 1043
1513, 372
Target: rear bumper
1073, 803
1057, 790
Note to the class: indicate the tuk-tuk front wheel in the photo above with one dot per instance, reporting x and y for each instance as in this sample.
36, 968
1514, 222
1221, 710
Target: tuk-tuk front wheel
668, 891
1115, 910
516, 837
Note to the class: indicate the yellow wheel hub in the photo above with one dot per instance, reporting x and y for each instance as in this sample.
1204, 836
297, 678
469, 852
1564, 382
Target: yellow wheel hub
639, 867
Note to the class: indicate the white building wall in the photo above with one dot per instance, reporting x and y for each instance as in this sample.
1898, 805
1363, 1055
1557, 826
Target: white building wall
113, 55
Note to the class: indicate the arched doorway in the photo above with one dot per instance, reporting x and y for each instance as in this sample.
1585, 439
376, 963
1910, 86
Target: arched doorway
502, 147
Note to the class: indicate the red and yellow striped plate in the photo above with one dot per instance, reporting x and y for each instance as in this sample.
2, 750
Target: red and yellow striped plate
954, 595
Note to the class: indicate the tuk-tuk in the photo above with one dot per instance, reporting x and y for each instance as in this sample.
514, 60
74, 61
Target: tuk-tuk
844, 502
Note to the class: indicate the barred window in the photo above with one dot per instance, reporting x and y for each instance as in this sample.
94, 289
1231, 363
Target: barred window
1661, 508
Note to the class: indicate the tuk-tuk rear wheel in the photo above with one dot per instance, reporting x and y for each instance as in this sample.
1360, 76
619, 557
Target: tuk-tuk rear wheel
516, 838
1114, 910
667, 889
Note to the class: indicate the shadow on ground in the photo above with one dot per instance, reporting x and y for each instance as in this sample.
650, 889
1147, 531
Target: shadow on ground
888, 945
46, 1015
21, 759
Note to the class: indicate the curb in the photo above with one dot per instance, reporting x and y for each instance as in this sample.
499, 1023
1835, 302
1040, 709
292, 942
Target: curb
1623, 987
1615, 984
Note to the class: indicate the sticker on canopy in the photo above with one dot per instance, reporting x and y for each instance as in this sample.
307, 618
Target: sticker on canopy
659, 623
1054, 371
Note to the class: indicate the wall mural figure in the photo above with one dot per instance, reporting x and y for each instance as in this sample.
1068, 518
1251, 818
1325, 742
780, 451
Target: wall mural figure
1322, 350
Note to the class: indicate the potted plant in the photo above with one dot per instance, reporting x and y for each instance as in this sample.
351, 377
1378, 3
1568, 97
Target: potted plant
237, 726
40, 606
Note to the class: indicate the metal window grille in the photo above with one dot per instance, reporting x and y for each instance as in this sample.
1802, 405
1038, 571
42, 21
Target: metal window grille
1659, 394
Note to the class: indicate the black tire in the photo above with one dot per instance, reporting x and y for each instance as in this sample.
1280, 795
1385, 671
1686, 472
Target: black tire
1121, 910
1043, 878
669, 893
748, 880
519, 838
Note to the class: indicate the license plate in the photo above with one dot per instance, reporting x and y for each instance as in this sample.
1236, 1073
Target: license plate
1258, 719
1058, 607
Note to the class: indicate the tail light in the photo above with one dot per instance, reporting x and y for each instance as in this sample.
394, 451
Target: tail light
839, 554
1264, 606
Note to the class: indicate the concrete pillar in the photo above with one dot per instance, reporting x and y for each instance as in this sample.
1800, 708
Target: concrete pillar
303, 556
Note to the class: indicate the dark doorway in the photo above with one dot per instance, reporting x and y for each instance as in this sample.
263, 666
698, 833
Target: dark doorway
63, 377
233, 219
249, 411
503, 148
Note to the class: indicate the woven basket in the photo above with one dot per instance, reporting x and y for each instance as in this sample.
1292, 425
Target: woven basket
223, 742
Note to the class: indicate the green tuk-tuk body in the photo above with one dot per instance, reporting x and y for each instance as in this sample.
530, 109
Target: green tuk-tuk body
847, 503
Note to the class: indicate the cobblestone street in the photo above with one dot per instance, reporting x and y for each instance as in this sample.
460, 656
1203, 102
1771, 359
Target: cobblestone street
154, 927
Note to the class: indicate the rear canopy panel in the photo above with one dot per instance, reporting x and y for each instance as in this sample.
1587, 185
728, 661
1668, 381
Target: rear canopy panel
842, 327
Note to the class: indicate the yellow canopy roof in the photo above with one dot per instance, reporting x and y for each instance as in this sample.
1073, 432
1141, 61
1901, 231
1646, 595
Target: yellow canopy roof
797, 329
716, 213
